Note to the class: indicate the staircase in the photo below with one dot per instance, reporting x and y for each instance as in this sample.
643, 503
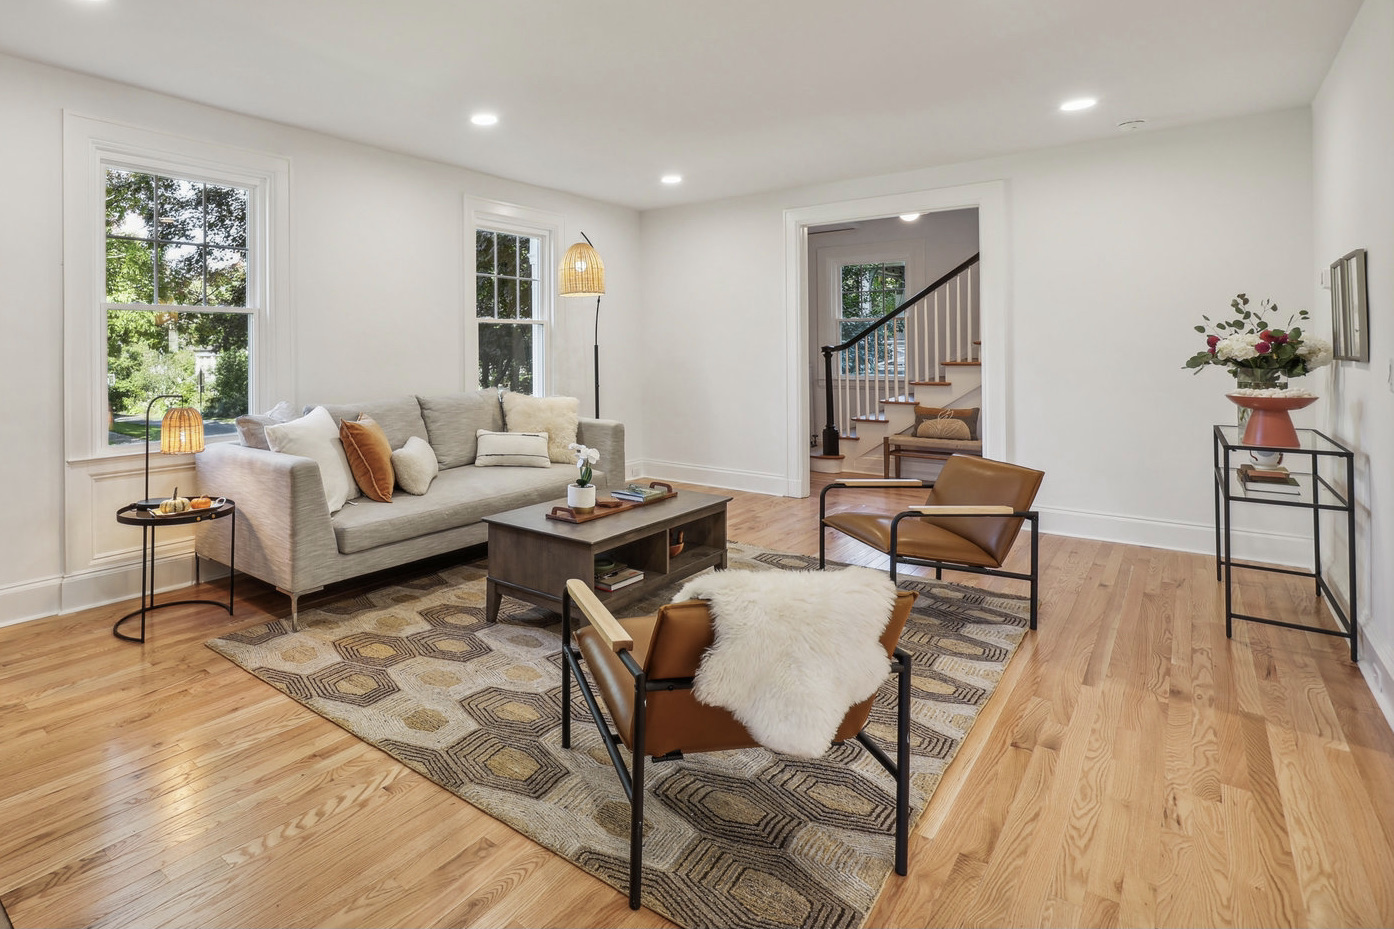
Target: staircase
925, 352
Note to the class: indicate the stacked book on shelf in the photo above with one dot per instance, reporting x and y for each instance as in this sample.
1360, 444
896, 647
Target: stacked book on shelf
1275, 480
637, 494
612, 575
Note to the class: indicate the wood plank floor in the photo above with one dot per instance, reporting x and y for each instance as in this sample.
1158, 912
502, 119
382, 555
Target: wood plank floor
1135, 768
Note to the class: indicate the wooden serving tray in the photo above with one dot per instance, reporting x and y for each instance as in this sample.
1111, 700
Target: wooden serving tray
610, 507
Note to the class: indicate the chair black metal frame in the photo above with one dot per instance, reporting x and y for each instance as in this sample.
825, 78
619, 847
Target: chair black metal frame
632, 780
1031, 516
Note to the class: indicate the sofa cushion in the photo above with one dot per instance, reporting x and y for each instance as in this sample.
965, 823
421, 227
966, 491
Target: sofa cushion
511, 450
369, 456
415, 466
556, 416
399, 417
315, 436
251, 427
459, 497
452, 420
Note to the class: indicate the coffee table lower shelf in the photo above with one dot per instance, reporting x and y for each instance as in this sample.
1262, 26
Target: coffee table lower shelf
531, 558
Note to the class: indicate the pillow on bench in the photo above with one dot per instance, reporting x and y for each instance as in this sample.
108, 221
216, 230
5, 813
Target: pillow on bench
931, 414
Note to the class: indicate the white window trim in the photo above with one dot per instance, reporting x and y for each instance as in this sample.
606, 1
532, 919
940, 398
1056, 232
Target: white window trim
497, 216
89, 145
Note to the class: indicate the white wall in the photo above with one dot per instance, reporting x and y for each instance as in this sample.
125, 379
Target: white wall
1115, 250
381, 307
1353, 138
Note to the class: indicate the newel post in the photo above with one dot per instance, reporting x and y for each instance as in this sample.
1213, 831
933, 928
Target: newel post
830, 434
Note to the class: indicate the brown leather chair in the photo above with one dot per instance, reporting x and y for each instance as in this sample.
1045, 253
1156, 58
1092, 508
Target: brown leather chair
970, 520
643, 670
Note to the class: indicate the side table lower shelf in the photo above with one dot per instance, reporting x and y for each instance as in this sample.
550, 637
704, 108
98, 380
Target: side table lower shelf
133, 515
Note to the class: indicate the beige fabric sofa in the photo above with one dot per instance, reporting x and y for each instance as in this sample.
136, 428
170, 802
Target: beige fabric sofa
287, 537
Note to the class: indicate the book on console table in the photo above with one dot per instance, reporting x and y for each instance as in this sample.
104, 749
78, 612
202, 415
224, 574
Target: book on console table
1252, 483
1276, 475
618, 578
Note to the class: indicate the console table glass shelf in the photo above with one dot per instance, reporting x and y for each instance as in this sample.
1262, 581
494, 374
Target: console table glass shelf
1316, 463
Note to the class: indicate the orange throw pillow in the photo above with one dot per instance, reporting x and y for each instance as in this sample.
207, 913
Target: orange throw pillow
369, 457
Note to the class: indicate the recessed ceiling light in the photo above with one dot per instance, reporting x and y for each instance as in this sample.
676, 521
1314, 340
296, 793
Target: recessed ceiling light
484, 119
909, 217
1079, 103
671, 178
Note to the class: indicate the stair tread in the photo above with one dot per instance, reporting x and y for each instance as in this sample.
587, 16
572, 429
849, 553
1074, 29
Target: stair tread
961, 363
901, 399
931, 383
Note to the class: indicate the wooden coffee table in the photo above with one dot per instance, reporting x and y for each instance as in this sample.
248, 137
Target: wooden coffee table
532, 557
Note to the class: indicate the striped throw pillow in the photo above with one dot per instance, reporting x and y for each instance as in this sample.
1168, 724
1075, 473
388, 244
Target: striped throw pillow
511, 450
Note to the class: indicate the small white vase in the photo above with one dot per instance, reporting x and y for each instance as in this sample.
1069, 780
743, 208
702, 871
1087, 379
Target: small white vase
581, 499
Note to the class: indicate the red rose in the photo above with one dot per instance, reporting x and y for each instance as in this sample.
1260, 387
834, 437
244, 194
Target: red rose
1283, 339
1212, 349
1266, 335
1263, 348
1212, 341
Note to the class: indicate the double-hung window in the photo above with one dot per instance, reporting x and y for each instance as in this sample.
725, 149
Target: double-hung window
511, 275
868, 292
179, 316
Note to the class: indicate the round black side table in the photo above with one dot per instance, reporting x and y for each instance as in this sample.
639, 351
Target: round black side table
148, 521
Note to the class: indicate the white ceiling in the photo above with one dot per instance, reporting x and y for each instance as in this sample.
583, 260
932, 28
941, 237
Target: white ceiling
602, 97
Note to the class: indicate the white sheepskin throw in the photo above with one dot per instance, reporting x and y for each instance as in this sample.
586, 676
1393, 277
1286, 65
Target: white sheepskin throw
793, 650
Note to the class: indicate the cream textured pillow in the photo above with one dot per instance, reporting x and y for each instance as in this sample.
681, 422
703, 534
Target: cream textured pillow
415, 466
314, 435
369, 456
945, 427
511, 450
556, 416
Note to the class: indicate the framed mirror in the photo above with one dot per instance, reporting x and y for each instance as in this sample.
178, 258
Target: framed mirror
1350, 311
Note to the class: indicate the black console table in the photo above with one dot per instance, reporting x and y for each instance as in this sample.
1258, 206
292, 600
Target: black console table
1319, 455
149, 520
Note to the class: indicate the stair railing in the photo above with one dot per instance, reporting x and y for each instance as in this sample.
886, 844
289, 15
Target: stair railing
906, 347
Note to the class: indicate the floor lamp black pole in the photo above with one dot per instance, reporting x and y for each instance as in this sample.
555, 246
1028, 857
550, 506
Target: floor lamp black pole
597, 355
148, 503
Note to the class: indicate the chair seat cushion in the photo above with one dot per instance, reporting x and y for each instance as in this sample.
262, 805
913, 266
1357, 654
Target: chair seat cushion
918, 538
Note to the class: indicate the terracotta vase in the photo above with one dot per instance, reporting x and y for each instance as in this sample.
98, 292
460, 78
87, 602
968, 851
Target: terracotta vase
1269, 423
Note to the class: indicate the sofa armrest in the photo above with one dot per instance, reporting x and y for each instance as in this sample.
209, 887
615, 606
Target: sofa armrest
283, 528
607, 437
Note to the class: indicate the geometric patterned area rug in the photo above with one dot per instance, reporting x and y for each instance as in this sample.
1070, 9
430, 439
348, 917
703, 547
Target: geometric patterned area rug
745, 838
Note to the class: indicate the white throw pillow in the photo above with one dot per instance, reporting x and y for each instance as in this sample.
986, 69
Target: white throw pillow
511, 450
314, 435
556, 416
415, 466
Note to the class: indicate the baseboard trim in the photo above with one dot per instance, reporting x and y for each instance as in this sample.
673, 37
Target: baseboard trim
1268, 547
30, 600
1376, 672
759, 482
52, 596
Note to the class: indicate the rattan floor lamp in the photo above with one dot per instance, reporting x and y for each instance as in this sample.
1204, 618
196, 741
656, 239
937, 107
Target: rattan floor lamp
582, 274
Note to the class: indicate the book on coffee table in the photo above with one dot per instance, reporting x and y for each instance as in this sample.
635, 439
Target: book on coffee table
621, 576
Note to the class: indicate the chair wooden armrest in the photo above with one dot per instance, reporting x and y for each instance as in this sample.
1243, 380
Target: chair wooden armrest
605, 624
985, 510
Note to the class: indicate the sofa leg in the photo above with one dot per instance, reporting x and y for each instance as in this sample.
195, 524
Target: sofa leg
295, 604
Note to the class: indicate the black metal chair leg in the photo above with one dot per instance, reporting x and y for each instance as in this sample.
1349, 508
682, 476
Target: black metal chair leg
565, 671
636, 799
902, 773
1035, 568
